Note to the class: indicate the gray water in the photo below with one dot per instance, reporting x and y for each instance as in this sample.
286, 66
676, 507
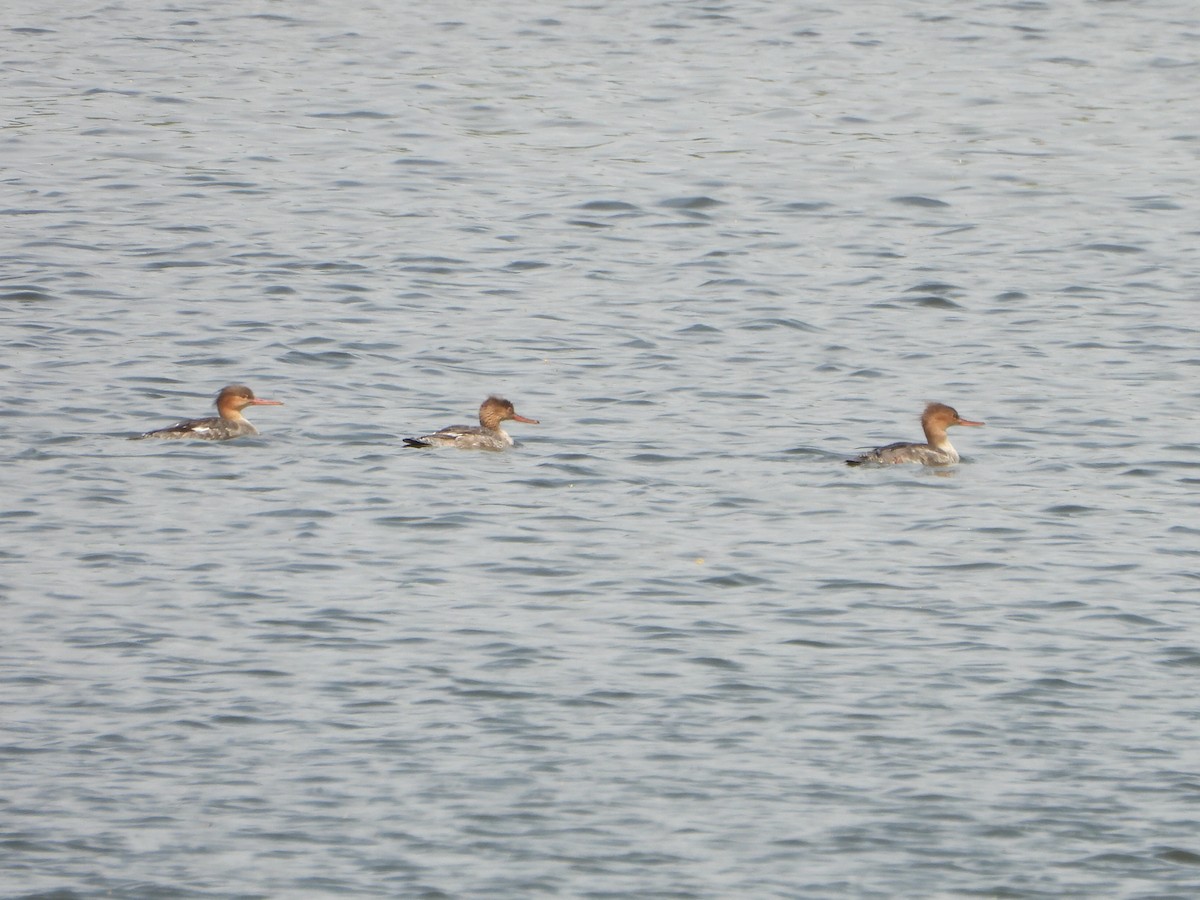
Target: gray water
669, 646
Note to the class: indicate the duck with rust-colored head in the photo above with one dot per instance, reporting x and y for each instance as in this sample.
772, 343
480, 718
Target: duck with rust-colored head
487, 435
226, 424
937, 449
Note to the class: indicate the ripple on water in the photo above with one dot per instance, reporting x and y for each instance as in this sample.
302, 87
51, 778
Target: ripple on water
671, 645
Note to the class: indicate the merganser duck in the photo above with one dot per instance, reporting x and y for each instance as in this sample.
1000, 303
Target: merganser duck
487, 435
228, 423
938, 451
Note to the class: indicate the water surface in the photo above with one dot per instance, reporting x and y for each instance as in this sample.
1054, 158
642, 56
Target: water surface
669, 645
